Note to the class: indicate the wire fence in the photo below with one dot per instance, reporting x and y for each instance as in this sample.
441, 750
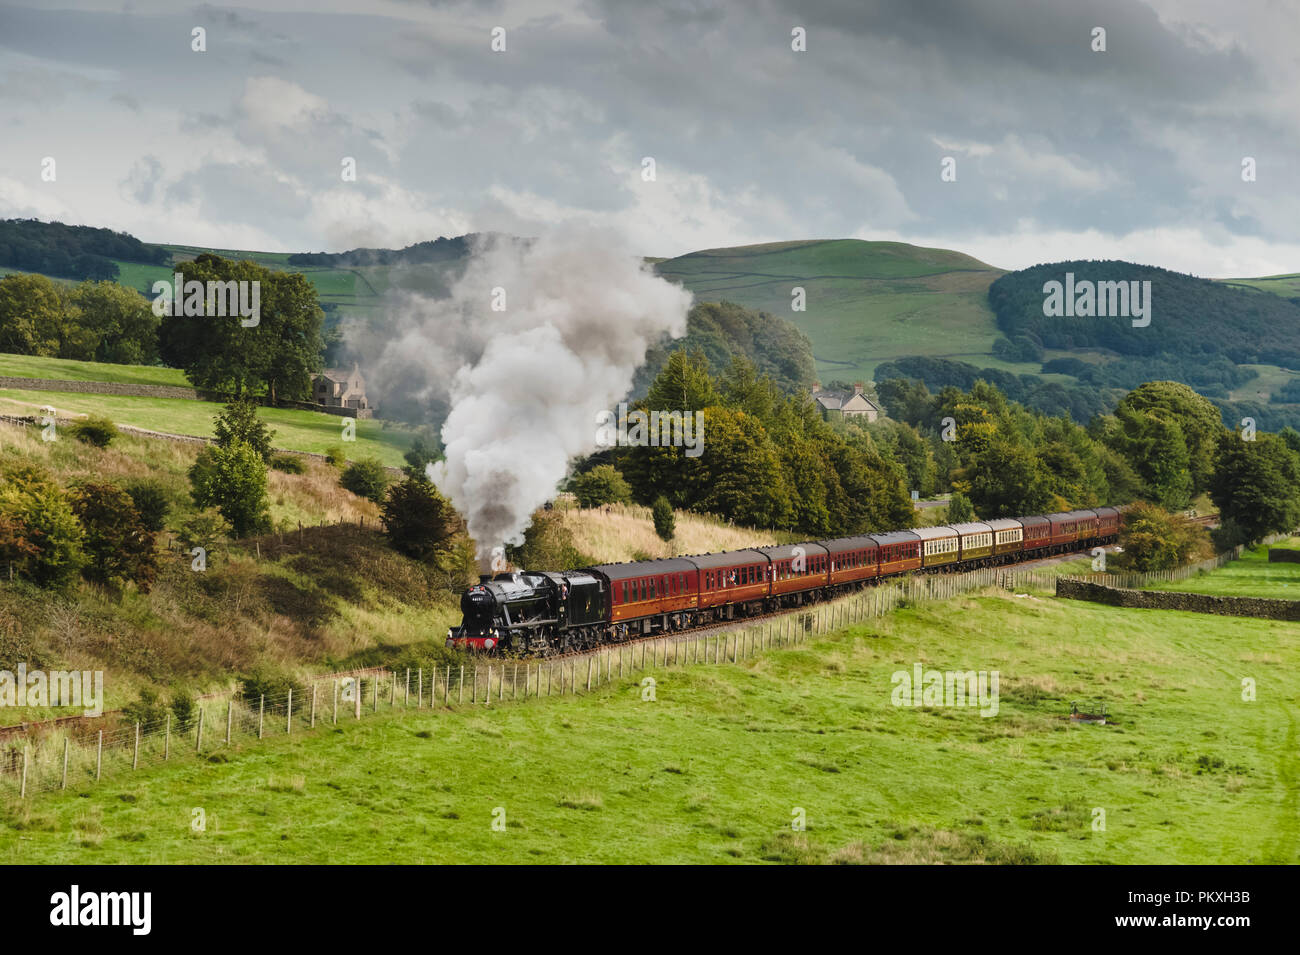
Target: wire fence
70, 758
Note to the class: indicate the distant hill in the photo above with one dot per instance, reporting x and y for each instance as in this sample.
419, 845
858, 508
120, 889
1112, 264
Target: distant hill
71, 251
866, 302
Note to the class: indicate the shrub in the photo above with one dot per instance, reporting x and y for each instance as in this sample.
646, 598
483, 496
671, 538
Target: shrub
366, 478
150, 503
272, 684
183, 708
336, 457
95, 430
418, 521
665, 521
149, 711
288, 463
1154, 539
117, 544
233, 480
205, 529
40, 536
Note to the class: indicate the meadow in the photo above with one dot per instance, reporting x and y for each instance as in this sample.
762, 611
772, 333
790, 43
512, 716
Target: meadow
295, 430
724, 760
1251, 576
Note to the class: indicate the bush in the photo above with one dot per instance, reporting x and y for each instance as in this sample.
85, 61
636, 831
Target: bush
288, 463
183, 708
336, 457
418, 521
366, 478
116, 542
274, 685
96, 430
665, 521
205, 529
1154, 539
233, 480
150, 503
149, 711
603, 484
40, 536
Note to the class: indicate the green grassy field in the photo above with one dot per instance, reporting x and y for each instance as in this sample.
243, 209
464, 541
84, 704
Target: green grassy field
1288, 286
1251, 576
716, 767
295, 430
867, 302
31, 366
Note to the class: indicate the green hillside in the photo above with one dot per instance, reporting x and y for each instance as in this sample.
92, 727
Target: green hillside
717, 766
867, 302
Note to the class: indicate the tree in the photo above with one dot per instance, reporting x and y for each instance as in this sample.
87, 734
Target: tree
684, 384
150, 502
1154, 444
1256, 487
366, 478
665, 522
117, 544
960, 510
1006, 480
233, 480
33, 316
239, 421
418, 521
119, 321
603, 484
1199, 424
276, 355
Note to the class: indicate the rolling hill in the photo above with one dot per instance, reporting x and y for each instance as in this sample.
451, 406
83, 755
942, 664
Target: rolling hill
866, 302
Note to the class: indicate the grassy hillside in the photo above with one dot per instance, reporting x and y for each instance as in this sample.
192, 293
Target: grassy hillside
713, 769
294, 430
67, 369
628, 533
867, 302
1251, 576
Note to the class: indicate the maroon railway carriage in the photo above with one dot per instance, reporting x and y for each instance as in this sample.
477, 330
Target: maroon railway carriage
1107, 522
900, 551
651, 595
852, 560
1037, 533
731, 578
793, 571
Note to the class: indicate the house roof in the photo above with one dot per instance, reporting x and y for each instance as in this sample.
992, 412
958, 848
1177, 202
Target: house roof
836, 400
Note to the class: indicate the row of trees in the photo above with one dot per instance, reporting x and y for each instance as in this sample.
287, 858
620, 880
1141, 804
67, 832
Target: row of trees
93, 321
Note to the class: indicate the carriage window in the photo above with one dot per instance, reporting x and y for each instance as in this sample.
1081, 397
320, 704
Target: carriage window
625, 591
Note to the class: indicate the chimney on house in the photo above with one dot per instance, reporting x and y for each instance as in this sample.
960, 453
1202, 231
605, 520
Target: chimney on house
857, 387
817, 386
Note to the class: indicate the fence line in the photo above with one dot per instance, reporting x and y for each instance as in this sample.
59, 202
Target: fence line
61, 760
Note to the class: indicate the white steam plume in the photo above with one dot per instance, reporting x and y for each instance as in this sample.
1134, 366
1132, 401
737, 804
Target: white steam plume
524, 384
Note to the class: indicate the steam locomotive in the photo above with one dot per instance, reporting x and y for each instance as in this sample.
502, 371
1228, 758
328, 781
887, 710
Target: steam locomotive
537, 613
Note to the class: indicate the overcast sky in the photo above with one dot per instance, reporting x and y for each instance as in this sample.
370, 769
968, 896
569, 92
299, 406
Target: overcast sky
1061, 152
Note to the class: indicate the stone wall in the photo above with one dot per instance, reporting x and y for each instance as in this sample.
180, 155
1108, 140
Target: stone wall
1283, 555
1266, 607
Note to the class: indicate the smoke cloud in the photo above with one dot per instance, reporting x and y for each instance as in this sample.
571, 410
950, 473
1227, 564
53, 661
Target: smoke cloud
523, 385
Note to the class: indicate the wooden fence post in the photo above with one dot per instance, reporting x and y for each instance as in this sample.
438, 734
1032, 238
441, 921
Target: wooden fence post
446, 688
135, 758
261, 712
588, 674
419, 689
406, 698
67, 740
198, 736
313, 706
167, 739
99, 755
462, 684
288, 724
336, 702
356, 703
230, 716
22, 792
375, 694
